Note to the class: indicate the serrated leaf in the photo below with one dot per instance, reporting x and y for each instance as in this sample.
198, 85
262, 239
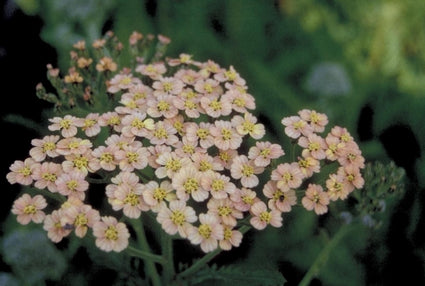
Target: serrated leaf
229, 275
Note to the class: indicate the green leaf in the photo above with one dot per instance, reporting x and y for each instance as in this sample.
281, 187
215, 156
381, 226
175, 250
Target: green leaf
229, 275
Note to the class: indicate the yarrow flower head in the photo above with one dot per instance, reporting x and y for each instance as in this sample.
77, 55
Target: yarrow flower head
175, 138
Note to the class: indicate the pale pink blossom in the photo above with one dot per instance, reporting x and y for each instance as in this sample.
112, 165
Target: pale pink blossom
342, 134
168, 85
278, 199
317, 121
205, 163
45, 147
89, 124
308, 166
21, 172
313, 145
46, 174
190, 106
81, 217
111, 119
28, 209
225, 157
177, 218
110, 234
130, 199
56, 231
230, 75
73, 145
120, 142
66, 125
248, 125
162, 106
352, 177
188, 76
163, 133
72, 184
154, 70
122, 81
244, 169
218, 185
231, 238
136, 124
315, 199
244, 198
263, 152
287, 176
261, 216
155, 194
184, 59
201, 132
187, 148
351, 155
132, 157
103, 158
334, 146
170, 164
215, 106
224, 209
208, 87
155, 152
187, 183
225, 136
208, 233
241, 101
295, 127
336, 188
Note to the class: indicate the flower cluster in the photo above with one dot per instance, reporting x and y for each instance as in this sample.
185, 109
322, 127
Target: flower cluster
182, 143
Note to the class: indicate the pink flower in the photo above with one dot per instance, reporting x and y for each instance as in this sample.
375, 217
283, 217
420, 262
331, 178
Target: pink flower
287, 176
247, 125
110, 234
103, 158
209, 87
21, 172
315, 199
308, 166
205, 163
231, 237
89, 124
156, 194
278, 199
225, 157
225, 136
132, 157
190, 106
66, 125
245, 170
129, 198
72, 184
244, 198
218, 185
170, 164
208, 233
168, 85
73, 145
352, 177
155, 152
317, 121
29, 209
342, 134
154, 71
163, 133
122, 82
136, 124
202, 133
187, 183
230, 75
241, 101
81, 218
295, 127
111, 119
263, 217
351, 155
77, 163
56, 231
162, 106
177, 218
215, 106
225, 211
336, 188
313, 145
44, 147
45, 176
264, 152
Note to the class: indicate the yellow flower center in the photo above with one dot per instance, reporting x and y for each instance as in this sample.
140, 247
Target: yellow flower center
226, 134
81, 162
314, 117
205, 231
247, 200
161, 133
111, 233
48, 146
208, 88
25, 171
240, 102
49, 177
65, 123
125, 80
224, 210
248, 126
202, 133
230, 75
167, 86
81, 220
205, 166
189, 104
88, 123
30, 209
277, 196
299, 124
139, 95
191, 185
173, 165
188, 149
266, 216
72, 185
215, 105
132, 157
227, 233
247, 170
131, 104
106, 157
132, 199
350, 177
114, 120
224, 156
217, 185
159, 194
313, 146
286, 177
178, 217
265, 152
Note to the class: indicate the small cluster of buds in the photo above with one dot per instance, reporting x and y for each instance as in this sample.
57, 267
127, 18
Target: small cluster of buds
182, 143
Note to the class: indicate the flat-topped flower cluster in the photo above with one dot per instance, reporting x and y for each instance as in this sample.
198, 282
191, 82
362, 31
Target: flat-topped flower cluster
184, 144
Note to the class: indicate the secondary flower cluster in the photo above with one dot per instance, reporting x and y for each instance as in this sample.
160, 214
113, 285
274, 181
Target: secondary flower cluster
178, 145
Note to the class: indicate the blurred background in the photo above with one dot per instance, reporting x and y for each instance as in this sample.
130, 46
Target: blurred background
360, 62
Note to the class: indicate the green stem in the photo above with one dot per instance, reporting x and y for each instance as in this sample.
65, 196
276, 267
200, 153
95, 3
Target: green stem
207, 258
321, 259
25, 122
167, 252
132, 251
150, 267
